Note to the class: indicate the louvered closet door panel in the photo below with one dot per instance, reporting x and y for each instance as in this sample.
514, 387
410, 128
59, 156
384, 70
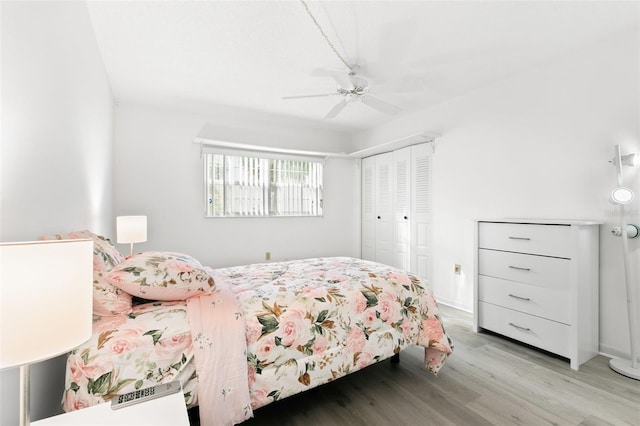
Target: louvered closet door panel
420, 217
384, 208
401, 206
368, 214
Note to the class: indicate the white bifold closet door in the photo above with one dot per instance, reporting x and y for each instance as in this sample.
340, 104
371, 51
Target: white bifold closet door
421, 216
368, 209
384, 185
396, 209
377, 208
402, 207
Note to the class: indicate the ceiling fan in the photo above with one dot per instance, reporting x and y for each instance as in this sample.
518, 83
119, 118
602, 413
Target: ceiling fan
352, 88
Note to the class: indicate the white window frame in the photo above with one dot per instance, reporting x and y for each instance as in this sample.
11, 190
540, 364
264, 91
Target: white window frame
258, 186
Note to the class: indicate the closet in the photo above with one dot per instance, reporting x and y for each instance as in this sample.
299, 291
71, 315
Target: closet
396, 209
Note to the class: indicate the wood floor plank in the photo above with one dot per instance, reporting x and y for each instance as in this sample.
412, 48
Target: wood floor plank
511, 400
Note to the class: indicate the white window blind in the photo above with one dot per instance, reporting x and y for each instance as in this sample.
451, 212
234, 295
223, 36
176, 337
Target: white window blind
255, 185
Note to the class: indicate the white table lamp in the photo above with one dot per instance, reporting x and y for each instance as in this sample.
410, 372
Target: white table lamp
131, 229
46, 304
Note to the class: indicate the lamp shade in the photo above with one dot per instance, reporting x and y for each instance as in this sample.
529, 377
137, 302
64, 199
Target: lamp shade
131, 229
621, 195
632, 160
46, 299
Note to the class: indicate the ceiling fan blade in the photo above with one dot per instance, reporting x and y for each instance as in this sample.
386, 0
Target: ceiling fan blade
340, 76
322, 72
342, 79
412, 83
336, 109
317, 95
380, 105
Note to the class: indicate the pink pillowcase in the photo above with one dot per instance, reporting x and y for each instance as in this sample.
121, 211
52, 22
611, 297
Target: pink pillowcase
157, 275
107, 299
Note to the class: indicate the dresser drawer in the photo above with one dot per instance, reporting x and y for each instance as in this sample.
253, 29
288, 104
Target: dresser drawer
540, 301
542, 271
546, 240
545, 334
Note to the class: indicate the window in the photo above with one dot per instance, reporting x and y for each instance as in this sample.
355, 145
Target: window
256, 185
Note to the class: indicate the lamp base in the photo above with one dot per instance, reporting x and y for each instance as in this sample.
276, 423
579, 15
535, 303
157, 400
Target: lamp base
624, 367
25, 410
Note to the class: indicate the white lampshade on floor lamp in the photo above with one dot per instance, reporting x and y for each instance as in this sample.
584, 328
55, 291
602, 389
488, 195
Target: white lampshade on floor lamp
131, 229
46, 304
622, 196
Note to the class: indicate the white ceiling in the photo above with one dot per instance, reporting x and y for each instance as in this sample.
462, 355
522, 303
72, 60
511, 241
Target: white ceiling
249, 54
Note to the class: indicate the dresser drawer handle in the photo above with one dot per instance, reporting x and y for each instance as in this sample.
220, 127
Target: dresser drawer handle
520, 238
519, 268
519, 327
519, 297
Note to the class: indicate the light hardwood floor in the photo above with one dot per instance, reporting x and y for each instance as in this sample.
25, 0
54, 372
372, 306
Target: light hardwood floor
488, 380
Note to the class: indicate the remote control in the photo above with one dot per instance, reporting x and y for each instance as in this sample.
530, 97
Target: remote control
146, 394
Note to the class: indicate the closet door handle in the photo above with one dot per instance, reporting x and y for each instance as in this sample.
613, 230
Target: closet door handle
405, 218
519, 327
519, 297
378, 217
520, 238
519, 268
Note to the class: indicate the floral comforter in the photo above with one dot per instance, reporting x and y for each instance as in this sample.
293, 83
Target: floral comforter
307, 322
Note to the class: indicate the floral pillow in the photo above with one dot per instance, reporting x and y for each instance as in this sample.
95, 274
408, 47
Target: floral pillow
158, 275
107, 299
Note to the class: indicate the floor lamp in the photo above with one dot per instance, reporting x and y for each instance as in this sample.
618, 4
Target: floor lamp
46, 304
622, 196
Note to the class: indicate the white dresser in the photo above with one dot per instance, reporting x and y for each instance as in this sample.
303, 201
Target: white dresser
536, 281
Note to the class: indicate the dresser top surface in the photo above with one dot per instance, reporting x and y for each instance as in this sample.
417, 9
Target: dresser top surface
543, 221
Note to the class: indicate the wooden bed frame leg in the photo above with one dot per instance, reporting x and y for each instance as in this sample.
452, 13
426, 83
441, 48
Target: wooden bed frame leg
395, 359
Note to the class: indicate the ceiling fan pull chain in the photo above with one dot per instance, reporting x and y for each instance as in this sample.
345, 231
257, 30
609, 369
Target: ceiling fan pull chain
351, 87
304, 3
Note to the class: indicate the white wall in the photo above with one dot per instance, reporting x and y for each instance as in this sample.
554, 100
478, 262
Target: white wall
159, 173
56, 167
536, 146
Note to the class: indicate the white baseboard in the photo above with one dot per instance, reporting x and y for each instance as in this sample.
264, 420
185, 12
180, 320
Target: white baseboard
615, 354
451, 303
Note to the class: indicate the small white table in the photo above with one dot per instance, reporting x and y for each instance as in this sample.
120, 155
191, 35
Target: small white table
168, 410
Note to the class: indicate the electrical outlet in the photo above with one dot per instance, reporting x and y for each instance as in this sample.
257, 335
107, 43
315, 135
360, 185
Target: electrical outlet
267, 255
456, 269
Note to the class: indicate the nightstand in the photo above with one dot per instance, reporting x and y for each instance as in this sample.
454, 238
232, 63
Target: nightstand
168, 410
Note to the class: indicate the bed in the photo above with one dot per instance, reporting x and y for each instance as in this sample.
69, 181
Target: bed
239, 338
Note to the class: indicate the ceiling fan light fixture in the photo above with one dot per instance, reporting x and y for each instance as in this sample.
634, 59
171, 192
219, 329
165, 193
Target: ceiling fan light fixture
359, 82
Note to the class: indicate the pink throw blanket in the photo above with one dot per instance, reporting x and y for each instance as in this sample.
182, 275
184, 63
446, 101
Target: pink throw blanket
220, 352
